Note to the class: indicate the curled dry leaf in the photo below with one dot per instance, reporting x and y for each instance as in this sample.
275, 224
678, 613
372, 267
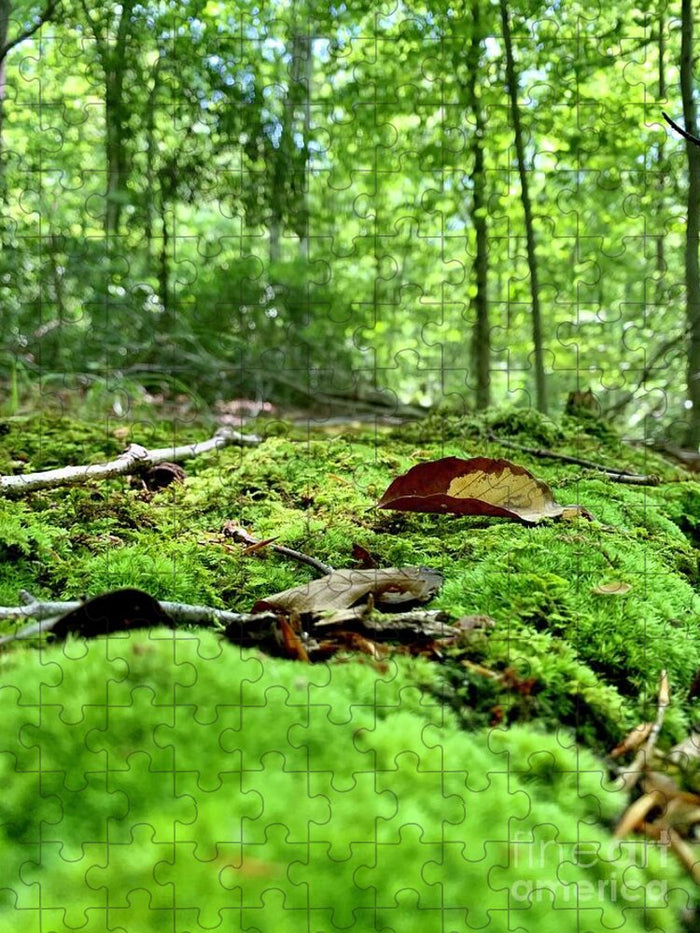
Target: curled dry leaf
116, 611
633, 739
391, 587
480, 486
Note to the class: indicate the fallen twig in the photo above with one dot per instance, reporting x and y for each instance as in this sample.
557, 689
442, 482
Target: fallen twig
617, 476
134, 459
237, 533
250, 628
631, 775
48, 613
633, 480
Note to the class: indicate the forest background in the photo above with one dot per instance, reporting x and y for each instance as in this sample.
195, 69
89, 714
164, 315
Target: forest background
295, 201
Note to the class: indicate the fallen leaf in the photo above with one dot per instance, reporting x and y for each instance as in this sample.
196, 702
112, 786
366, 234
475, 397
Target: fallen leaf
290, 642
363, 557
390, 587
480, 486
118, 611
633, 739
612, 589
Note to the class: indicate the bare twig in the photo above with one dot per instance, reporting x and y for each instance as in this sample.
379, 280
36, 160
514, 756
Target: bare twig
47, 613
632, 479
635, 814
42, 18
631, 775
237, 533
430, 623
679, 129
685, 854
135, 459
618, 476
250, 628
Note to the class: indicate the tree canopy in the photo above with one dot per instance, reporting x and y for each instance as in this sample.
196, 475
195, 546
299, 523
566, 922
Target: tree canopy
474, 203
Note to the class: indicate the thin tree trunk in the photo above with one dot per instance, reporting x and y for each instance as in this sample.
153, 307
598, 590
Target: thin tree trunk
308, 51
6, 46
164, 264
537, 331
114, 65
481, 334
692, 237
5, 12
116, 119
150, 163
660, 155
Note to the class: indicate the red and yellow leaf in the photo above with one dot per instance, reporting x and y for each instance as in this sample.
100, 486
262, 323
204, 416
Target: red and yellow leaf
480, 486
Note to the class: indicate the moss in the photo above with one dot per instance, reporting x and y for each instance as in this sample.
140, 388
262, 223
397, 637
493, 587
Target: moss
237, 789
562, 658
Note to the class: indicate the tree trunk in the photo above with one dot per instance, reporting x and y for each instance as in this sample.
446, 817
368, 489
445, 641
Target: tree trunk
481, 333
660, 155
164, 265
537, 333
116, 120
692, 237
114, 64
150, 163
5, 12
5, 45
307, 50
115, 157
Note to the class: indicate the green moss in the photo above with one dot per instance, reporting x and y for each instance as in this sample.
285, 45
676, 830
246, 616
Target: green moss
562, 659
260, 794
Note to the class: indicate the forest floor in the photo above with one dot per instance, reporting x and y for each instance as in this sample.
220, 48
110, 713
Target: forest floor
153, 766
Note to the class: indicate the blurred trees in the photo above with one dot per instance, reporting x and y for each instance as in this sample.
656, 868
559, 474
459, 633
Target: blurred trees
291, 200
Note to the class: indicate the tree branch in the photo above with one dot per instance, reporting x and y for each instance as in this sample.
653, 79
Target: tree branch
613, 473
251, 628
679, 129
44, 17
661, 351
135, 459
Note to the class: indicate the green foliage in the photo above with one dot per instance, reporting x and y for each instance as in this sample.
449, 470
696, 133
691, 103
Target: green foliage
179, 764
272, 228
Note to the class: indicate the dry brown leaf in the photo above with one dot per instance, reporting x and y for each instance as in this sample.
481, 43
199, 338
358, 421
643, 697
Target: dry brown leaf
617, 588
633, 739
635, 814
480, 486
390, 587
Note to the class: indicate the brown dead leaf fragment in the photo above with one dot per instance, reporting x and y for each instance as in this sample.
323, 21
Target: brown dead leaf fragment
116, 611
390, 587
480, 486
633, 739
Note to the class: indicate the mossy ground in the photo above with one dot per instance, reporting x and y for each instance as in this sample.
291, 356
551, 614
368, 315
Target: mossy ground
575, 670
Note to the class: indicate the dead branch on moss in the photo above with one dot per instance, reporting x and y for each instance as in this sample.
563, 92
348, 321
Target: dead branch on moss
643, 757
251, 628
236, 532
47, 613
135, 459
612, 473
664, 811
